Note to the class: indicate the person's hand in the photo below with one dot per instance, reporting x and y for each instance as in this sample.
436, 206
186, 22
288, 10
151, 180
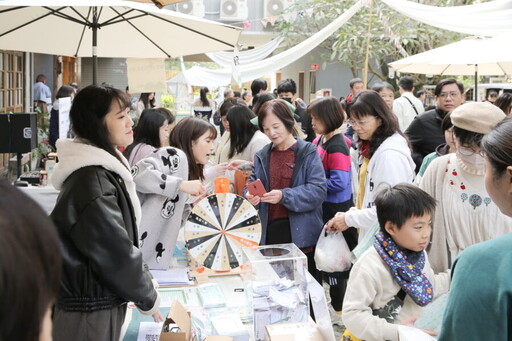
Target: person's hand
337, 223
220, 169
272, 197
253, 199
300, 102
193, 187
409, 322
234, 164
157, 317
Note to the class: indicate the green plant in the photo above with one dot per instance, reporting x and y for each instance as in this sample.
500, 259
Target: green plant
388, 34
167, 101
43, 129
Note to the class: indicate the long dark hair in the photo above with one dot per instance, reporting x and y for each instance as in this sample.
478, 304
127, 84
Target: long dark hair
148, 129
144, 97
504, 101
226, 105
497, 146
369, 103
30, 265
257, 85
88, 111
187, 131
261, 99
203, 98
241, 129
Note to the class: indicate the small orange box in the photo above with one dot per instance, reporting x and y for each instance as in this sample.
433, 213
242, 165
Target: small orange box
222, 185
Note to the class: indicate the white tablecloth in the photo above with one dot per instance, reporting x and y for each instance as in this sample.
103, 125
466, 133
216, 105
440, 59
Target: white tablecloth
45, 196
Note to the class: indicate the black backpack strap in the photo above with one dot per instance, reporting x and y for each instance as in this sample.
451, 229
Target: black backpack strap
408, 100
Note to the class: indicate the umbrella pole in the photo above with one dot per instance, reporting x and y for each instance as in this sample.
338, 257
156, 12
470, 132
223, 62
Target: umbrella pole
94, 47
476, 82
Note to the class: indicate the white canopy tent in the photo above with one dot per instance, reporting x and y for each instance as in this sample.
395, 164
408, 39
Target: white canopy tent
470, 56
485, 19
488, 56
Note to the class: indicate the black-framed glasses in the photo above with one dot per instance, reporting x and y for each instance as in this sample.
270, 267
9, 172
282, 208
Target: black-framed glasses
451, 94
360, 123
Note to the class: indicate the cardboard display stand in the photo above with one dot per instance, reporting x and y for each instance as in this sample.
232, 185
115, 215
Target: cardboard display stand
177, 315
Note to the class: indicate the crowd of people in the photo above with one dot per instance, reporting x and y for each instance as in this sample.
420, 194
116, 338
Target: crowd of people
409, 189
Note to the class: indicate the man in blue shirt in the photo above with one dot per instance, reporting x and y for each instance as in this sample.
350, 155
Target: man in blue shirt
42, 93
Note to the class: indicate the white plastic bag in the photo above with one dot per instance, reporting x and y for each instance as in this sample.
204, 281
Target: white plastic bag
332, 253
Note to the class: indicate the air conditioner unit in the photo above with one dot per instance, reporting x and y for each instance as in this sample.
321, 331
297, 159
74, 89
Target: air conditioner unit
234, 10
274, 8
191, 7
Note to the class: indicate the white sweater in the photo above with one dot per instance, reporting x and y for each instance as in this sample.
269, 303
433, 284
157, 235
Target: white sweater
258, 141
465, 214
390, 165
371, 286
404, 111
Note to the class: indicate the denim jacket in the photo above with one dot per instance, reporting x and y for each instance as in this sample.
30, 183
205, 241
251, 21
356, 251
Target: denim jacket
303, 199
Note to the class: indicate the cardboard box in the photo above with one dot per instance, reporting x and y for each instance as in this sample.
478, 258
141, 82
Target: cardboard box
304, 331
177, 315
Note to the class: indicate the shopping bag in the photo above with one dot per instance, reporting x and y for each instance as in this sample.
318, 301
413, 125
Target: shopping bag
332, 253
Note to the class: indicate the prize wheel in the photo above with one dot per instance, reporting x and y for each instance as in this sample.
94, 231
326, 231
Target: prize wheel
217, 229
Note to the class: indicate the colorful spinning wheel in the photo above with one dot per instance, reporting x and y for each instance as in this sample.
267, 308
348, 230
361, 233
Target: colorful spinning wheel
217, 229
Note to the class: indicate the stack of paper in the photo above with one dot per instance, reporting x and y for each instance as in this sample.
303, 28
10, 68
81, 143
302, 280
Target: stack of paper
177, 276
230, 325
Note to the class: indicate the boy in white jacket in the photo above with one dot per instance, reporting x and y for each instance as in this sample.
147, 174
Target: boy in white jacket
393, 280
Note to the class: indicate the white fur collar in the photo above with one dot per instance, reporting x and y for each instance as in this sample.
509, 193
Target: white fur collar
75, 154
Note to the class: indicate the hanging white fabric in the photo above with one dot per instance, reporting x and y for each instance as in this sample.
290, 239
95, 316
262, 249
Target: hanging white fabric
485, 19
235, 68
225, 59
203, 77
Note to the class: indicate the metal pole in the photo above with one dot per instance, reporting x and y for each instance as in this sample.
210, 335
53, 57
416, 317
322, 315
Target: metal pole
476, 82
94, 46
18, 166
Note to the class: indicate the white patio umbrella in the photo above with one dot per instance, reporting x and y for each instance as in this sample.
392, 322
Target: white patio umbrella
160, 3
470, 56
108, 28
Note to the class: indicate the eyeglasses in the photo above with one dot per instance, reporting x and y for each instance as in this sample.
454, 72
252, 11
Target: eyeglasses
449, 94
466, 151
360, 123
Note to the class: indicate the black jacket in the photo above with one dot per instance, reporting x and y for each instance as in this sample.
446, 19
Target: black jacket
425, 134
102, 266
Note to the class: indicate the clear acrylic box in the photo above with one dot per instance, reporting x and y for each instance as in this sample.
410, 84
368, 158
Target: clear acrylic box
275, 279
